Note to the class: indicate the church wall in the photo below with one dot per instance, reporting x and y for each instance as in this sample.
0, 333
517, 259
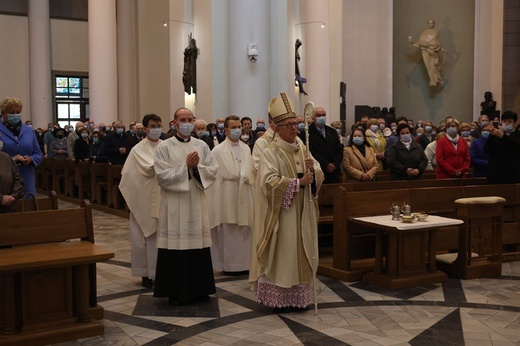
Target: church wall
412, 95
367, 54
69, 41
14, 64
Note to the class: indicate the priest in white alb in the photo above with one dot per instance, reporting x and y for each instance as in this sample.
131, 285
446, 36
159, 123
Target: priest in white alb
184, 169
231, 211
142, 195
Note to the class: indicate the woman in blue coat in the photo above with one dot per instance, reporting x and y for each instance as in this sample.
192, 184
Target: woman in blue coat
20, 141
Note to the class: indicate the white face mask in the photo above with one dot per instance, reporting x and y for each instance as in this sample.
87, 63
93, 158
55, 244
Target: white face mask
245, 138
186, 129
155, 133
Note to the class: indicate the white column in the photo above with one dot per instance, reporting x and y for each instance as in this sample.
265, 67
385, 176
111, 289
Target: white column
315, 52
127, 73
249, 84
102, 60
40, 63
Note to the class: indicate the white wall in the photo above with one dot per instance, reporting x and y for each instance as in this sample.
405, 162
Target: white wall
69, 41
367, 53
14, 63
489, 24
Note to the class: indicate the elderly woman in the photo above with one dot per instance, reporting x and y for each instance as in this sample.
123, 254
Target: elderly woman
406, 159
11, 184
452, 153
427, 136
20, 141
58, 147
359, 160
376, 141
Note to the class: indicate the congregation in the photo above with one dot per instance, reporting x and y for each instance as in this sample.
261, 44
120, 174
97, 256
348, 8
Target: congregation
225, 197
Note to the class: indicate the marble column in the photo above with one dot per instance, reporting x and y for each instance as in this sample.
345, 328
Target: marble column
102, 60
127, 73
40, 85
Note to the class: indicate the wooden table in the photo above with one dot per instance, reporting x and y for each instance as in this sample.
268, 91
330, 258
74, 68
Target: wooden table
409, 249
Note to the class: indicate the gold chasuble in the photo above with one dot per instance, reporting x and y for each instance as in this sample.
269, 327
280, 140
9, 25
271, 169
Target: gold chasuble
286, 216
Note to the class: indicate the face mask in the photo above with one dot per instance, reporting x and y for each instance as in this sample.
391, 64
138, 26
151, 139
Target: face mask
132, 131
102, 128
357, 140
201, 134
465, 133
119, 131
483, 124
84, 135
235, 133
428, 128
185, 129
301, 127
419, 125
260, 126
14, 119
485, 134
220, 126
213, 133
60, 136
452, 131
95, 140
321, 120
71, 129
406, 138
155, 133
506, 127
382, 127
339, 132
245, 138
30, 126
394, 128
141, 133
172, 127
373, 128
434, 133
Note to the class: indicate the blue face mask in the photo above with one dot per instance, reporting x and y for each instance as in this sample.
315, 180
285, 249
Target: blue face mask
485, 134
452, 131
373, 128
186, 128
84, 135
235, 133
220, 126
119, 131
321, 121
428, 128
213, 133
301, 127
14, 119
434, 133
260, 126
201, 134
358, 140
406, 138
483, 124
465, 133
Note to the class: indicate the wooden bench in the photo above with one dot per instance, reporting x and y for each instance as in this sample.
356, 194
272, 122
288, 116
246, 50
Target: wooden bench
70, 179
42, 203
82, 178
48, 277
59, 168
98, 181
113, 179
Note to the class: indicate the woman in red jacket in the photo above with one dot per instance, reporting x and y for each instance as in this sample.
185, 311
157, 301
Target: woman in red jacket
452, 153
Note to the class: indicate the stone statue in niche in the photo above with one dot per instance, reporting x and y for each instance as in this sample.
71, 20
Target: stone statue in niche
189, 74
299, 79
431, 48
489, 106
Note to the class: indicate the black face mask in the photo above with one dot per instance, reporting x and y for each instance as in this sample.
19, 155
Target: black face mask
141, 133
102, 128
60, 136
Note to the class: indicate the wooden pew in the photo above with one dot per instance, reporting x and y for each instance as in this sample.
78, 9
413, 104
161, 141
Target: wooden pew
48, 277
82, 178
98, 181
70, 181
45, 203
58, 175
113, 179
47, 174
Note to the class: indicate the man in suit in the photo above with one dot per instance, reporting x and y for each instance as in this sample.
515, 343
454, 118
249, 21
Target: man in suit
325, 146
221, 133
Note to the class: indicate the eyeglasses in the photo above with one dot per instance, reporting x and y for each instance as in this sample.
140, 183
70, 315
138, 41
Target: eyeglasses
289, 126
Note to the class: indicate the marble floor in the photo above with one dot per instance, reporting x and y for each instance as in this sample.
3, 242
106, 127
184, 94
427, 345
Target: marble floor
457, 312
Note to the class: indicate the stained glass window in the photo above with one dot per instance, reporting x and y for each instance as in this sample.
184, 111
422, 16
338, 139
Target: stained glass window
71, 96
